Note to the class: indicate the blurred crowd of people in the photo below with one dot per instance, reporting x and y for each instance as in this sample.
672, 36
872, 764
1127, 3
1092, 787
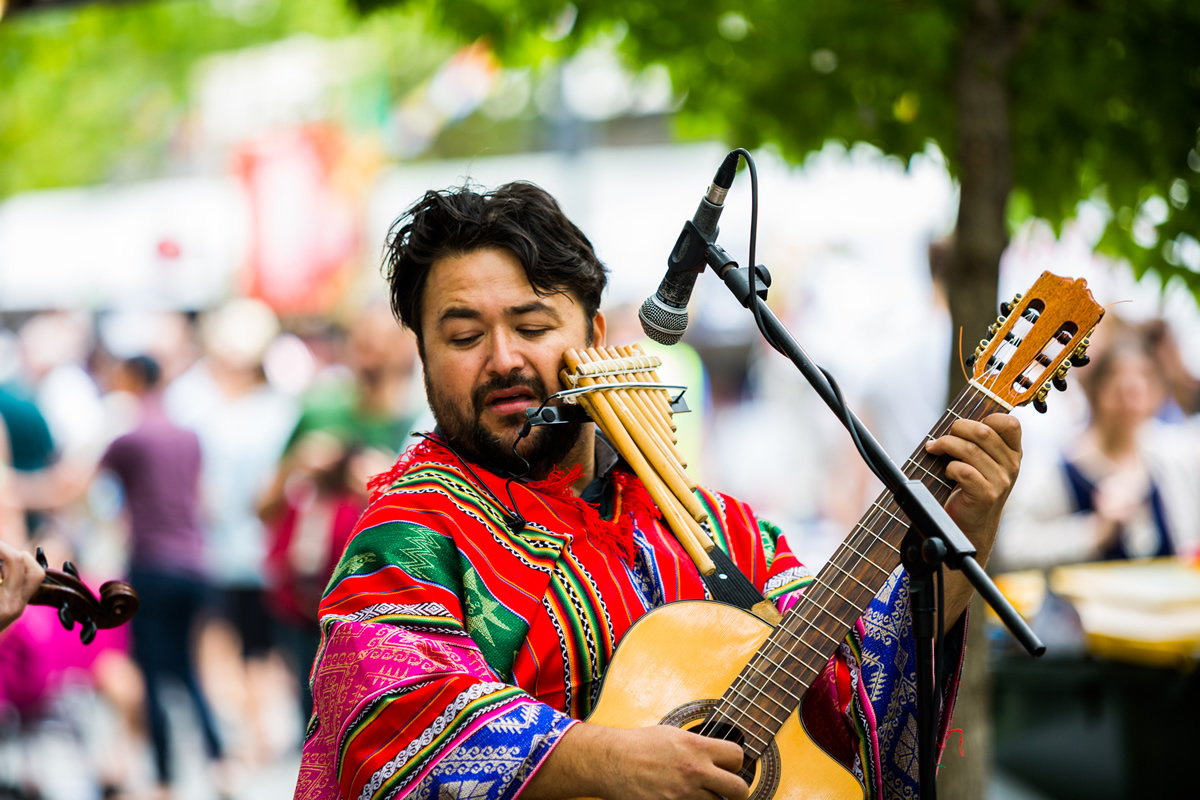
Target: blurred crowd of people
217, 462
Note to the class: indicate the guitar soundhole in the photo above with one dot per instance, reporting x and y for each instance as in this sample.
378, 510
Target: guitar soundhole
762, 776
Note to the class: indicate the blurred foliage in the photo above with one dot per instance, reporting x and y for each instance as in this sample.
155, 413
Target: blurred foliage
101, 92
1104, 94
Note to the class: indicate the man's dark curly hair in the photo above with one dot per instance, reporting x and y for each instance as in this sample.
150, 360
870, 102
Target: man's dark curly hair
518, 217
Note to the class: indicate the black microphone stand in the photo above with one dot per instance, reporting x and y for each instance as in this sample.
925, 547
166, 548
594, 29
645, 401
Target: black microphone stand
939, 540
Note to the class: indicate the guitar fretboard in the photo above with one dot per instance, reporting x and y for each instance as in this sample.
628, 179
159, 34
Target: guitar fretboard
771, 685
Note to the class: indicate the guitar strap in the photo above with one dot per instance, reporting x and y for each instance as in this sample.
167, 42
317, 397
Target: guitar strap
729, 584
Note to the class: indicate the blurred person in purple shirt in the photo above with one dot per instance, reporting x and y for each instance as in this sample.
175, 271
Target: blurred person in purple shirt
158, 465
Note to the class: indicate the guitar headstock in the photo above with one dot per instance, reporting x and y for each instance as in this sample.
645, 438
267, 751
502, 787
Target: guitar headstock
1036, 339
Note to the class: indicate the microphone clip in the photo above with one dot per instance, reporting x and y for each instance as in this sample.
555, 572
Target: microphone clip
689, 252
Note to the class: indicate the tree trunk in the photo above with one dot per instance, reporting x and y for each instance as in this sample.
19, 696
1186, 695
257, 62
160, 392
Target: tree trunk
985, 178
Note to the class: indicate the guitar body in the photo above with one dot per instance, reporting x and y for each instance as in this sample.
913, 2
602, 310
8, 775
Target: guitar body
677, 661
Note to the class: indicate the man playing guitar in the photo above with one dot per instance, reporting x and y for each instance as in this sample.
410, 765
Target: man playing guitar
471, 619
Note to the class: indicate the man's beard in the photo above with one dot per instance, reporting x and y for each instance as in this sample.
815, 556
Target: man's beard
544, 448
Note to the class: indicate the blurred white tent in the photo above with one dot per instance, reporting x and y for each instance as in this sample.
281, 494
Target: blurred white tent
158, 245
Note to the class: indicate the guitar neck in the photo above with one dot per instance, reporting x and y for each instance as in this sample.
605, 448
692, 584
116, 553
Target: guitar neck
770, 686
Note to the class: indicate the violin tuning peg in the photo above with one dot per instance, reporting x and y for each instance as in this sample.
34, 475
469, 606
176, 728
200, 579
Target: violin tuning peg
41, 559
88, 633
1039, 405
70, 569
65, 617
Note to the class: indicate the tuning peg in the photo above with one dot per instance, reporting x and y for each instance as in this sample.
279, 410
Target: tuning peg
40, 555
1039, 399
1060, 383
970, 362
88, 633
65, 617
1007, 306
1080, 360
70, 569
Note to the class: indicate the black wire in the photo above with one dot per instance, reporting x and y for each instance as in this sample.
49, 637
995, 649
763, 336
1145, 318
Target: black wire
525, 429
514, 520
843, 412
754, 309
841, 409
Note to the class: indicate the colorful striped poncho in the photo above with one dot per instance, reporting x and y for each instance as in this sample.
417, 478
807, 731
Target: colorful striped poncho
455, 654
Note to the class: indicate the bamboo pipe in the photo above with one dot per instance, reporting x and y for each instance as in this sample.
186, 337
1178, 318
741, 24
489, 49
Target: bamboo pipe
659, 396
650, 411
655, 450
646, 395
683, 526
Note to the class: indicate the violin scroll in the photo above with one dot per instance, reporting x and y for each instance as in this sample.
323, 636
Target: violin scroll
63, 590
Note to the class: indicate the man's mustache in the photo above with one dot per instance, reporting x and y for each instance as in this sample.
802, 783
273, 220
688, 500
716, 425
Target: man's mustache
531, 382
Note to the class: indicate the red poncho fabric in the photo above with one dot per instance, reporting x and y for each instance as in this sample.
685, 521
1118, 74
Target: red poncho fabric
455, 653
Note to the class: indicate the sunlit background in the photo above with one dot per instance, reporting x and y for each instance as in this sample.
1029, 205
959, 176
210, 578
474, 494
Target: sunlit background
159, 160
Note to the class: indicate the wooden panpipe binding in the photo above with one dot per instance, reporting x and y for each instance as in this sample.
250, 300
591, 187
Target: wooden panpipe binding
637, 420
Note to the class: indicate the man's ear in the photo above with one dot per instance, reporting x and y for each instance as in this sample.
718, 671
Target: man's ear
599, 327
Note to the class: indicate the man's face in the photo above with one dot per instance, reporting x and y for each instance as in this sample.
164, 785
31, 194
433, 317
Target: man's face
493, 348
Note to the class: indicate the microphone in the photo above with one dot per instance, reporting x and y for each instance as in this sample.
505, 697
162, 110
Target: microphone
664, 315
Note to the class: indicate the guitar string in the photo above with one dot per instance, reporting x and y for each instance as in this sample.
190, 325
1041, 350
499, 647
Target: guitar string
976, 401
813, 592
751, 701
767, 656
789, 650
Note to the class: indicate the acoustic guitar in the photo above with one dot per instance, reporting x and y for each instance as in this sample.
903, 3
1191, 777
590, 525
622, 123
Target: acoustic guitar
694, 663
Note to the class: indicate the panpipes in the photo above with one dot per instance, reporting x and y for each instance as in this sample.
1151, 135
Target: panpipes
638, 423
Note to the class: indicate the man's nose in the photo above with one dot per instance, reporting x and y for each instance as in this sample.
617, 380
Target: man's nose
506, 355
